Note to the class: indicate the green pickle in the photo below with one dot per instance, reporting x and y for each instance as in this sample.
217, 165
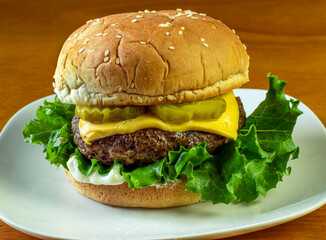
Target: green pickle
211, 108
108, 114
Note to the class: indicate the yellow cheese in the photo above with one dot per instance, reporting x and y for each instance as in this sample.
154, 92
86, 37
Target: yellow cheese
226, 125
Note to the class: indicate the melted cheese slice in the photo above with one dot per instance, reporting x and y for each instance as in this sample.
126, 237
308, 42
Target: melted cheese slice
226, 125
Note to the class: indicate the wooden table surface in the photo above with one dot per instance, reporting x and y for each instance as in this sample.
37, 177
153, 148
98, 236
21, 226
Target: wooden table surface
287, 38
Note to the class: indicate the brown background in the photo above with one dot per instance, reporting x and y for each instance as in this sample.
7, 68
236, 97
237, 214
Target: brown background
287, 38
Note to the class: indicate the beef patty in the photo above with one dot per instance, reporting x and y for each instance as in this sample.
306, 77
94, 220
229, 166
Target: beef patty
146, 146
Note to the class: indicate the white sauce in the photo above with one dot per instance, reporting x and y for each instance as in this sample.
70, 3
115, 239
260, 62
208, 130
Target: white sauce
113, 178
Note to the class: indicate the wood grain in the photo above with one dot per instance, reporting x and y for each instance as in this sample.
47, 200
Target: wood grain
287, 38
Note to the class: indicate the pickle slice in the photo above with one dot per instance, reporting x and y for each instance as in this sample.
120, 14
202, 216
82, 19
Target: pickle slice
211, 108
108, 114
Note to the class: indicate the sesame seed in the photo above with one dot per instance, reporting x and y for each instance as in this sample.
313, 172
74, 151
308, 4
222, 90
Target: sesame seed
190, 12
106, 52
89, 21
154, 11
171, 47
214, 27
94, 23
192, 17
244, 46
179, 9
119, 89
134, 20
233, 30
139, 16
170, 97
75, 40
141, 11
86, 40
167, 33
69, 38
142, 43
106, 59
81, 50
99, 34
160, 98
205, 44
132, 85
202, 39
179, 14
238, 36
219, 21
140, 99
248, 57
53, 84
104, 34
202, 14
113, 24
146, 11
183, 28
117, 61
76, 35
167, 24
180, 32
118, 36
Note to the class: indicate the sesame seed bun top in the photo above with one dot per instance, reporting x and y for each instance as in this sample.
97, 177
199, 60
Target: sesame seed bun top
150, 57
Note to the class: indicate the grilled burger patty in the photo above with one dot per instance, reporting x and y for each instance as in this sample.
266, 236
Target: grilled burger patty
146, 146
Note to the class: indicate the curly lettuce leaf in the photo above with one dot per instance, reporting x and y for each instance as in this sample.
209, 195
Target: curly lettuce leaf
275, 119
162, 171
52, 122
87, 167
257, 160
145, 176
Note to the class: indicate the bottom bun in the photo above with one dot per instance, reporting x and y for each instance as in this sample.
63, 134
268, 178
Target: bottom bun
162, 196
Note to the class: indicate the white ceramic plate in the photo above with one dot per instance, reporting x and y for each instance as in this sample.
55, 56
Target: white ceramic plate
37, 199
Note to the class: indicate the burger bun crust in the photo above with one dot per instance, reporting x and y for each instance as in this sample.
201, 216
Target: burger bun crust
150, 58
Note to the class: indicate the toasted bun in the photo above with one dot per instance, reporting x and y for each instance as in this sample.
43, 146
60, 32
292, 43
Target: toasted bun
170, 195
148, 58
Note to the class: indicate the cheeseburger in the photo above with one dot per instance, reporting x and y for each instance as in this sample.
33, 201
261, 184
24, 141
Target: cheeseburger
151, 93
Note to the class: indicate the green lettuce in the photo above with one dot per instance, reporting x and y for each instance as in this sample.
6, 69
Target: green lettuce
52, 124
239, 171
